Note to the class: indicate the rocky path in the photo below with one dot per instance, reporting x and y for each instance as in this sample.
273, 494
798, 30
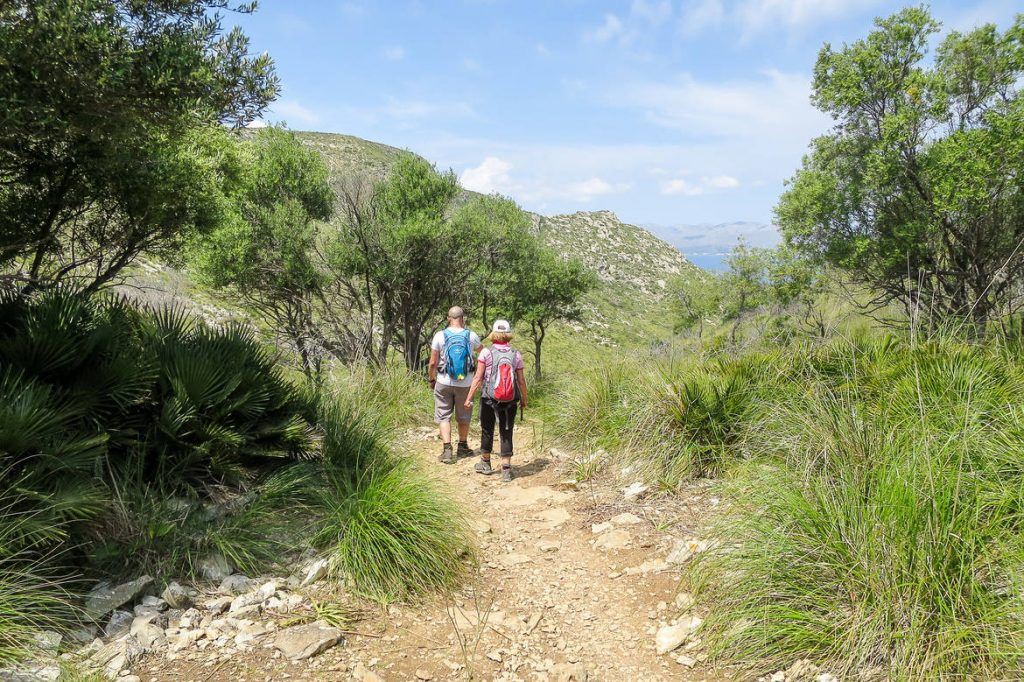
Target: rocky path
574, 582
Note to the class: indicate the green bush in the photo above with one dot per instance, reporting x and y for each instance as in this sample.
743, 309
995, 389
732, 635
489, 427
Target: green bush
385, 525
31, 597
880, 526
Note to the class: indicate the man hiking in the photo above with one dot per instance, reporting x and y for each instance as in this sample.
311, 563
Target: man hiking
451, 371
504, 390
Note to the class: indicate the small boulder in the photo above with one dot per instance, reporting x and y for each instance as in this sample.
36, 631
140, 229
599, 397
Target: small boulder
103, 598
613, 539
218, 605
214, 568
314, 571
626, 519
178, 596
118, 655
670, 637
148, 633
635, 491
119, 624
598, 528
299, 642
236, 584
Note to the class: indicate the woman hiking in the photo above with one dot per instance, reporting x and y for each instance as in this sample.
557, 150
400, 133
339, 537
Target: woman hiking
500, 372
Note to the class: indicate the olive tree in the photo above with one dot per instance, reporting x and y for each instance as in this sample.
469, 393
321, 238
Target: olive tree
109, 146
918, 191
268, 252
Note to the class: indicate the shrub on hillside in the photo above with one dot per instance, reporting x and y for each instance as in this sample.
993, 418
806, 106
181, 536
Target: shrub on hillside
386, 527
880, 526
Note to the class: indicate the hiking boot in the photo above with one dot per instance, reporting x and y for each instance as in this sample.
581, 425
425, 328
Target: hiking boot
464, 450
447, 456
483, 467
506, 474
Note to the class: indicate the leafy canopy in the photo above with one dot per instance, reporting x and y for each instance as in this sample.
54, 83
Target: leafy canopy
918, 191
111, 139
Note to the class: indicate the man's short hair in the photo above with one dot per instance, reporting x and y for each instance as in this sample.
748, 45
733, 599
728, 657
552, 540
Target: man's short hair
456, 313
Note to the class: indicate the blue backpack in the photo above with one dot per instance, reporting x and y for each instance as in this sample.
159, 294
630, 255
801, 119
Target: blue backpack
457, 354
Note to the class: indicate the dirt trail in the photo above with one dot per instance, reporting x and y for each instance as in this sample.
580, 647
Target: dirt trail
552, 599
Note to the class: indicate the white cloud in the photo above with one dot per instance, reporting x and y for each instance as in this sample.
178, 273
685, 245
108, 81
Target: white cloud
655, 12
394, 53
293, 112
489, 177
723, 182
774, 107
411, 109
757, 16
585, 190
611, 28
698, 15
256, 123
687, 188
470, 64
543, 50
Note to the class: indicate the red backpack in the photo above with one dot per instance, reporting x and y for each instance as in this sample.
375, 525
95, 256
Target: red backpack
501, 385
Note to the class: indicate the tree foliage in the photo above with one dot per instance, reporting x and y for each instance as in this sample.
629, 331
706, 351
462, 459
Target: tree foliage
269, 251
110, 144
918, 192
409, 255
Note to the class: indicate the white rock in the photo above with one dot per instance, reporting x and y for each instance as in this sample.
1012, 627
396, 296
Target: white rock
670, 637
686, 661
684, 550
613, 539
302, 641
218, 605
626, 519
314, 571
147, 633
683, 601
597, 528
634, 491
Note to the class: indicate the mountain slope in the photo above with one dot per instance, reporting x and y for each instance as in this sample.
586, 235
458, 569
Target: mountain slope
632, 264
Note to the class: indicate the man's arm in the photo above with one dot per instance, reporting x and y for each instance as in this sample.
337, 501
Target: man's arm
432, 367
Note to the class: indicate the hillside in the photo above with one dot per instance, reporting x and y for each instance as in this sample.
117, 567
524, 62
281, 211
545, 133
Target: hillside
633, 265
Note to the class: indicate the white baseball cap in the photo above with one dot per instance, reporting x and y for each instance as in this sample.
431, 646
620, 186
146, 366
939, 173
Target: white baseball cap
501, 326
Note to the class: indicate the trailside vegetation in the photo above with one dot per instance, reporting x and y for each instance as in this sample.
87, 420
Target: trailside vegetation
113, 113
917, 192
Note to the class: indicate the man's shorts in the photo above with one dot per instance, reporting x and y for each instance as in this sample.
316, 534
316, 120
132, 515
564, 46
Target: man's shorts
448, 398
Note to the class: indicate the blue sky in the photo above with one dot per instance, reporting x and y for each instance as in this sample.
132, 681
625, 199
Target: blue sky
665, 111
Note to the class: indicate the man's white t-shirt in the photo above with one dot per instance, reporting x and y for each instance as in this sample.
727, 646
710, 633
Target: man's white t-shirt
438, 344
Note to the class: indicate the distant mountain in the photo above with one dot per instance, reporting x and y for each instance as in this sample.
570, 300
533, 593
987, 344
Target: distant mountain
710, 242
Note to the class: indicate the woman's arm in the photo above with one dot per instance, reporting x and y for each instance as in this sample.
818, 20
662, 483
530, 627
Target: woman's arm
521, 380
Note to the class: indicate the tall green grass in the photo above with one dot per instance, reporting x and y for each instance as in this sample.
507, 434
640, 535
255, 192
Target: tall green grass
880, 525
32, 596
875, 487
387, 527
